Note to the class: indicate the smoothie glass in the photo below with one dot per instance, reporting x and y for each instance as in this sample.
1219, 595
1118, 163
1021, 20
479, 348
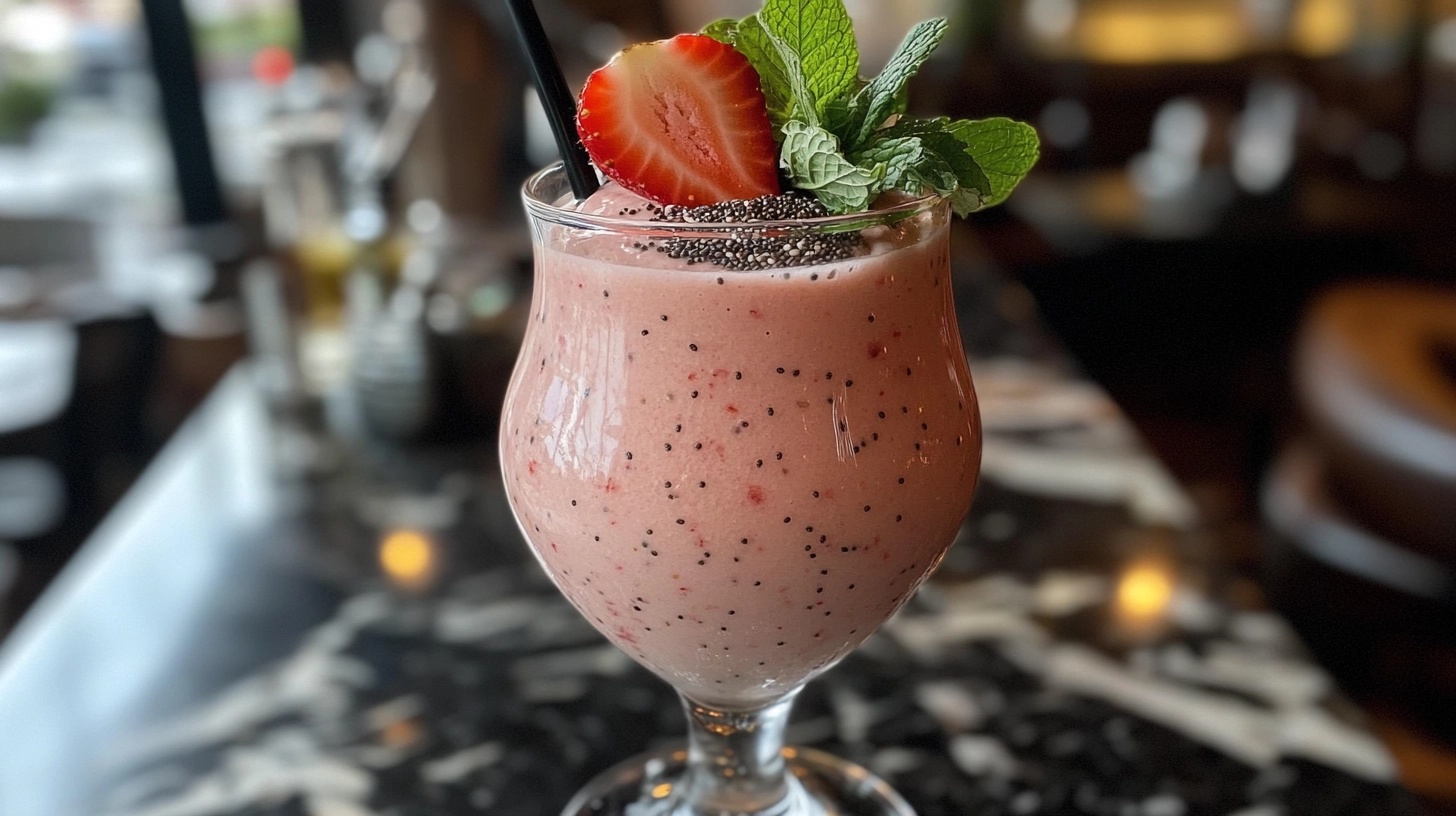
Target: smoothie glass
738, 476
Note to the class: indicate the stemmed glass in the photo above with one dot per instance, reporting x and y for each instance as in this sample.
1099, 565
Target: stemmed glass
738, 476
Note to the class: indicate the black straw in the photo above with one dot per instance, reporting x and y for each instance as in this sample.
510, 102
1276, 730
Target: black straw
555, 97
174, 64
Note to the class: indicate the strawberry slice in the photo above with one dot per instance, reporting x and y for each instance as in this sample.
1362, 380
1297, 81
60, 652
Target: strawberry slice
680, 121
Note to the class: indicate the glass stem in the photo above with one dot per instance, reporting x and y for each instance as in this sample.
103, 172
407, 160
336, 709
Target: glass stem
736, 761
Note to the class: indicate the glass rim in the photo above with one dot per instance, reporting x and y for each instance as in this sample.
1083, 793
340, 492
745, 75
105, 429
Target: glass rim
538, 207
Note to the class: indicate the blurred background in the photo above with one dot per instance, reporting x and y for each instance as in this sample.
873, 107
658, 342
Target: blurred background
1241, 226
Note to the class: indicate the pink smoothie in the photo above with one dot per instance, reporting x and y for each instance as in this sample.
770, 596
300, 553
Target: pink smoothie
738, 476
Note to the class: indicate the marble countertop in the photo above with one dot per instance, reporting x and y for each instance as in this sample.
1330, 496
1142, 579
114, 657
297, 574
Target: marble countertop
380, 642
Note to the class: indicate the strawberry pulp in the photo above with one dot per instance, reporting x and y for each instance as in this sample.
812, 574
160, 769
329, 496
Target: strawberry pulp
680, 121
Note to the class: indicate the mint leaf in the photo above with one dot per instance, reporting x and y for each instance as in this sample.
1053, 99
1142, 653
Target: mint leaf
821, 35
885, 93
754, 43
988, 157
949, 169
842, 114
934, 173
901, 158
966, 200
914, 167
1004, 149
804, 107
831, 125
813, 161
804, 52
724, 30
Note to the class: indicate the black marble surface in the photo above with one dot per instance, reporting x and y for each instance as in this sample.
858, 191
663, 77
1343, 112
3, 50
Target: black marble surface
380, 642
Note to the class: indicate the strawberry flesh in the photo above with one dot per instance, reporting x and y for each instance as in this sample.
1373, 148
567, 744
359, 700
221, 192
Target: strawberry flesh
680, 121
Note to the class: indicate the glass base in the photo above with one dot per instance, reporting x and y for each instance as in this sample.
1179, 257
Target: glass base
821, 785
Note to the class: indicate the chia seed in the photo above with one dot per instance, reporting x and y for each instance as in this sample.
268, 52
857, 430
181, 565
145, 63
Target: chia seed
748, 250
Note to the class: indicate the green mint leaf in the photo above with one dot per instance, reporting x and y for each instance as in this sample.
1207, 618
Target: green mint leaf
831, 125
947, 168
934, 173
913, 167
902, 100
843, 114
813, 160
988, 157
804, 52
804, 107
1005, 150
885, 94
724, 30
821, 36
901, 158
754, 43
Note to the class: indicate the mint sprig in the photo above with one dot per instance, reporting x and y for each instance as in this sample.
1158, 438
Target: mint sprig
819, 166
844, 138
821, 35
885, 94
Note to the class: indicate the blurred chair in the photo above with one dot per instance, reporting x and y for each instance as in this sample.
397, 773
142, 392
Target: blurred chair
37, 361
76, 365
1377, 375
110, 430
1363, 506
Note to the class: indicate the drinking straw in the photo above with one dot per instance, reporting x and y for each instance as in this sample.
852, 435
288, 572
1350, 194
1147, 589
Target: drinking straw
555, 98
174, 65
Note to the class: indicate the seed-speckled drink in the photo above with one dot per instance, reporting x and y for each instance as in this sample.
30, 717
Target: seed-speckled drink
737, 476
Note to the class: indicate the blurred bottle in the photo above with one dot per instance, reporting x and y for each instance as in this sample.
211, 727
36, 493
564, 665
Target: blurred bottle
303, 207
330, 157
391, 375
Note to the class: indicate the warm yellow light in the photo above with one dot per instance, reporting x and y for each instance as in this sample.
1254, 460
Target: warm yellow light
661, 791
407, 558
1144, 591
1323, 28
1140, 33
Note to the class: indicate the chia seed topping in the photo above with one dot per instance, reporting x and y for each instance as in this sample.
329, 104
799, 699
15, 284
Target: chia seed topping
747, 250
